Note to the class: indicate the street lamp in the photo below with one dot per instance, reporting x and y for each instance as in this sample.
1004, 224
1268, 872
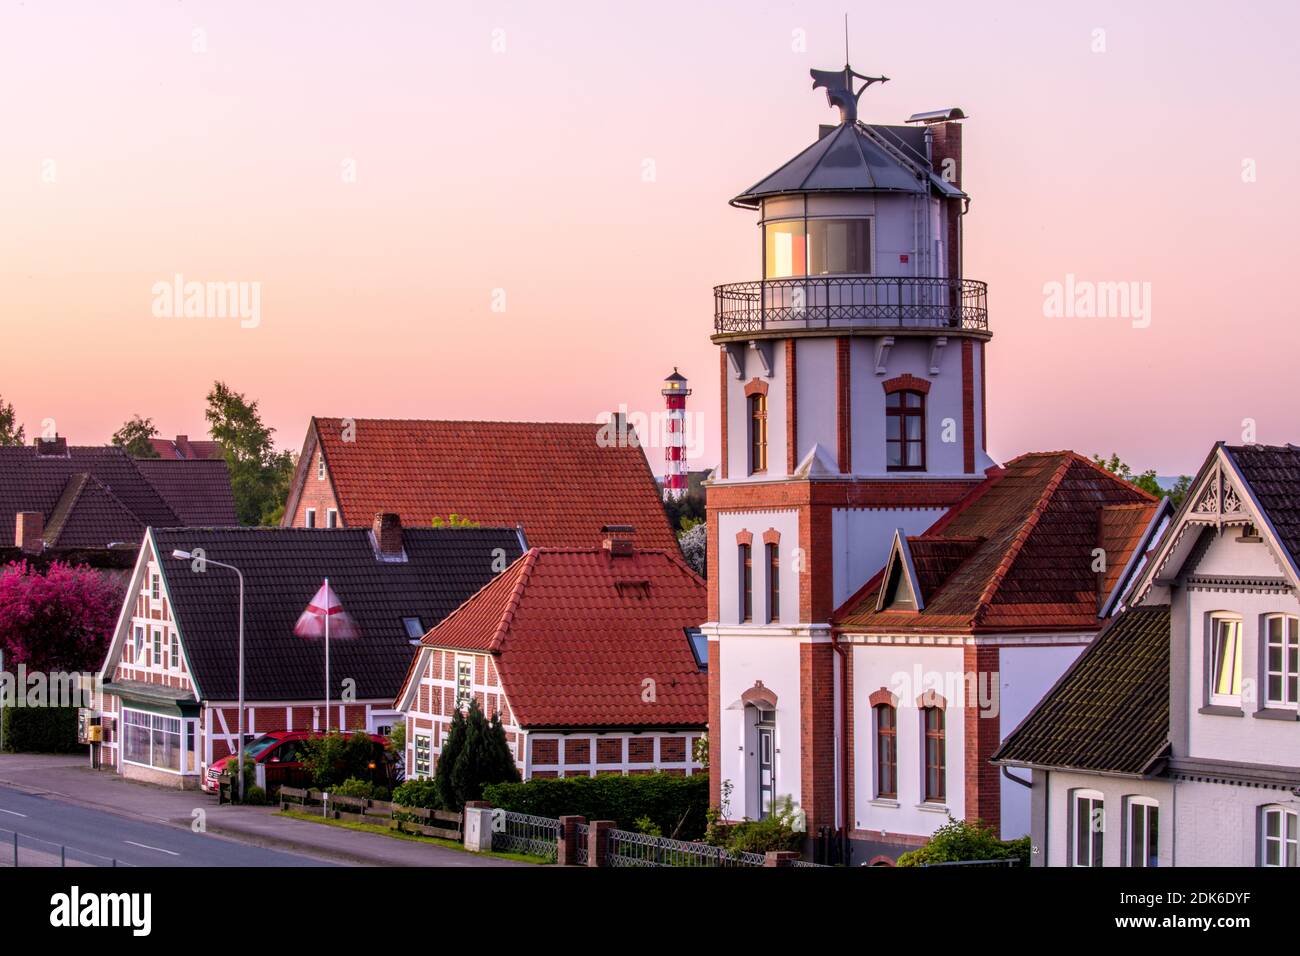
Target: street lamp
204, 561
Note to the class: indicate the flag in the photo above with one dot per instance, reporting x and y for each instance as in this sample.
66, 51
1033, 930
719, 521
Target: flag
326, 604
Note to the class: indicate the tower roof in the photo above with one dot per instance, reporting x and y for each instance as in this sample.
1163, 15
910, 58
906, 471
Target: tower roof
675, 377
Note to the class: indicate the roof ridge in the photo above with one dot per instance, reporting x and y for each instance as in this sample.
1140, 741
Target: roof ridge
456, 421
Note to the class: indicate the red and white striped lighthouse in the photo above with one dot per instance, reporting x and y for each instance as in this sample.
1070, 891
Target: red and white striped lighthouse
675, 392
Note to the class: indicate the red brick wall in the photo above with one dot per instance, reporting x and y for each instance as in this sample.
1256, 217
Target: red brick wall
968, 405
844, 403
791, 408
982, 784
317, 494
722, 425
817, 733
715, 721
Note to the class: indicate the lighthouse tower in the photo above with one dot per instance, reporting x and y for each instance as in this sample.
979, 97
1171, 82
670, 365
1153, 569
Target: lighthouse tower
852, 380
675, 392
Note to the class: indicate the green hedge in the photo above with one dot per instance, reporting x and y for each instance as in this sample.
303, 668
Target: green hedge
666, 799
40, 730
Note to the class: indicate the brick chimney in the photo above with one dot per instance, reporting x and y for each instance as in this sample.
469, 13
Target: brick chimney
388, 533
29, 530
618, 540
945, 157
56, 447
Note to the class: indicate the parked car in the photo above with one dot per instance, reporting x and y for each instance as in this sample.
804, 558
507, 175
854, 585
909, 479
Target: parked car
281, 753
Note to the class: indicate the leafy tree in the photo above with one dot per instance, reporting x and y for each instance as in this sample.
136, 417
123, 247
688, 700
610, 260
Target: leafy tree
133, 437
59, 619
334, 758
965, 841
475, 755
685, 512
259, 475
11, 433
694, 545
1147, 481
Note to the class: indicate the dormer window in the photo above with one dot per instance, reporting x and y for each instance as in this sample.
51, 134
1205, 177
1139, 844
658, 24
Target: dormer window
905, 431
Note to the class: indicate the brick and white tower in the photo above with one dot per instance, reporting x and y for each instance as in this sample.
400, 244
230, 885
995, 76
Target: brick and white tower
675, 392
852, 379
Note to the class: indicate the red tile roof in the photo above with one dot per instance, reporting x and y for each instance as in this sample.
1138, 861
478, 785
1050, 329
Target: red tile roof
181, 447
1016, 553
577, 632
554, 478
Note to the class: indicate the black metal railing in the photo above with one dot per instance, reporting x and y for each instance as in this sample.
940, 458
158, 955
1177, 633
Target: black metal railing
831, 302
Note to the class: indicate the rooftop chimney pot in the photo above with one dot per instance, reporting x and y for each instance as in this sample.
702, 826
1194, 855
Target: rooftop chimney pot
388, 532
29, 531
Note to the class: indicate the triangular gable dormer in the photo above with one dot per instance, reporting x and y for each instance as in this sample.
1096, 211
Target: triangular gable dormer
900, 589
1219, 502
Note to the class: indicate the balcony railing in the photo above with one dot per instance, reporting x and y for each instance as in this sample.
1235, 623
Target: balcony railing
848, 302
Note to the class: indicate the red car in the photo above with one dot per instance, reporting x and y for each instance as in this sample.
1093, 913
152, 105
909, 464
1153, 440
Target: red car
281, 750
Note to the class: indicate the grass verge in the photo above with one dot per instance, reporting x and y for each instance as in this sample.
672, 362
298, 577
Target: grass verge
410, 837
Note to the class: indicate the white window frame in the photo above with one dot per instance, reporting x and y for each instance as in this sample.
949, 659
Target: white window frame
423, 768
310, 518
464, 699
174, 653
331, 518
156, 659
1284, 841
139, 642
151, 723
1218, 699
320, 466
155, 586
1144, 807
1096, 836
1288, 675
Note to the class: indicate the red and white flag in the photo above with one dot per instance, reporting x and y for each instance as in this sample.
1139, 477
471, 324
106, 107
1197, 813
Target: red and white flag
325, 606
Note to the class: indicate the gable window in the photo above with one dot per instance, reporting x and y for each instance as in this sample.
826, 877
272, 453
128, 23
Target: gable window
331, 518
1225, 662
139, 644
773, 583
1277, 837
320, 467
905, 431
1143, 847
935, 771
311, 517
886, 752
422, 752
1089, 827
757, 433
155, 587
464, 680
1281, 660
157, 649
176, 653
746, 583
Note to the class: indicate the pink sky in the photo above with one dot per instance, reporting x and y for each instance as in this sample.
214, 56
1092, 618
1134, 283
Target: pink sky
522, 170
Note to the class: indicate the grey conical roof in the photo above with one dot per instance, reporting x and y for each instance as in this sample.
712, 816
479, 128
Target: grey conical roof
854, 158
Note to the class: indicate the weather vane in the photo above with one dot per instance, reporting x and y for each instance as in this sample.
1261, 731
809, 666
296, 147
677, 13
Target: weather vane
839, 83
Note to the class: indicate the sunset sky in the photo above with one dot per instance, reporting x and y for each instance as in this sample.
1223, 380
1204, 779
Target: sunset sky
219, 140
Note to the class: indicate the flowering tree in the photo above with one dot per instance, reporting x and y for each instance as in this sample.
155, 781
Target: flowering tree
57, 620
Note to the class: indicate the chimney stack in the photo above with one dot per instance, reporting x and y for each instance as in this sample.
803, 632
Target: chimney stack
56, 447
618, 540
388, 533
29, 531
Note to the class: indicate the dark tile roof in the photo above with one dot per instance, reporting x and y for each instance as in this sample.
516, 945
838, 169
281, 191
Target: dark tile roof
576, 632
1109, 712
39, 482
198, 490
283, 568
1015, 554
1273, 472
181, 448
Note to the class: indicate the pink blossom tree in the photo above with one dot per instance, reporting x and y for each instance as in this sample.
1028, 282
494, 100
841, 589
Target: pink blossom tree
60, 619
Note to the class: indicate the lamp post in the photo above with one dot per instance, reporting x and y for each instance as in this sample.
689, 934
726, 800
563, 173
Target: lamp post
204, 561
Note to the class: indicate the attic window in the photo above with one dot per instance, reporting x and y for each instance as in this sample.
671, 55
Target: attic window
699, 646
414, 628
320, 467
1250, 535
898, 593
633, 588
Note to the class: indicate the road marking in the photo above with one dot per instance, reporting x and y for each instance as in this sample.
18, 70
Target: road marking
13, 813
146, 846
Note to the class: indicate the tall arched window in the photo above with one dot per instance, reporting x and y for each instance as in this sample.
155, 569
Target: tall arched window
905, 431
757, 433
886, 752
935, 769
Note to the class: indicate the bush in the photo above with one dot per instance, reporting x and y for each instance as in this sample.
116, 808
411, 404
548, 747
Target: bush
418, 793
334, 759
40, 730
775, 832
961, 840
676, 805
355, 787
255, 796
476, 754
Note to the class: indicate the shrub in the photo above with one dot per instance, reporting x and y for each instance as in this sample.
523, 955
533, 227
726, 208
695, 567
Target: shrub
255, 796
476, 754
355, 787
334, 758
418, 793
40, 730
963, 840
676, 805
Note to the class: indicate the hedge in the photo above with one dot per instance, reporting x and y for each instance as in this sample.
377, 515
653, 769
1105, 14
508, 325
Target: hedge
40, 730
666, 799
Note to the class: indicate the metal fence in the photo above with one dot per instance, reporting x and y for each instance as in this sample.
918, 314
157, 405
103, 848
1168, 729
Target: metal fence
524, 833
21, 850
1010, 862
581, 834
625, 848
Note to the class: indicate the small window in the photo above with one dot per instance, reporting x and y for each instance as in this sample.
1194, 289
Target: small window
464, 680
699, 647
1278, 837
155, 587
414, 627
331, 518
757, 433
1089, 824
157, 649
1225, 660
176, 652
1143, 832
1281, 660
773, 583
422, 752
905, 431
935, 769
320, 467
139, 644
746, 583
886, 752
311, 517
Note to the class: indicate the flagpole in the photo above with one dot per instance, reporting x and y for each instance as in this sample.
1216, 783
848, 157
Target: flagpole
327, 656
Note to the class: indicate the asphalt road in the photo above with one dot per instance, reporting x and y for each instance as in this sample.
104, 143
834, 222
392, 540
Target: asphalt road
94, 838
